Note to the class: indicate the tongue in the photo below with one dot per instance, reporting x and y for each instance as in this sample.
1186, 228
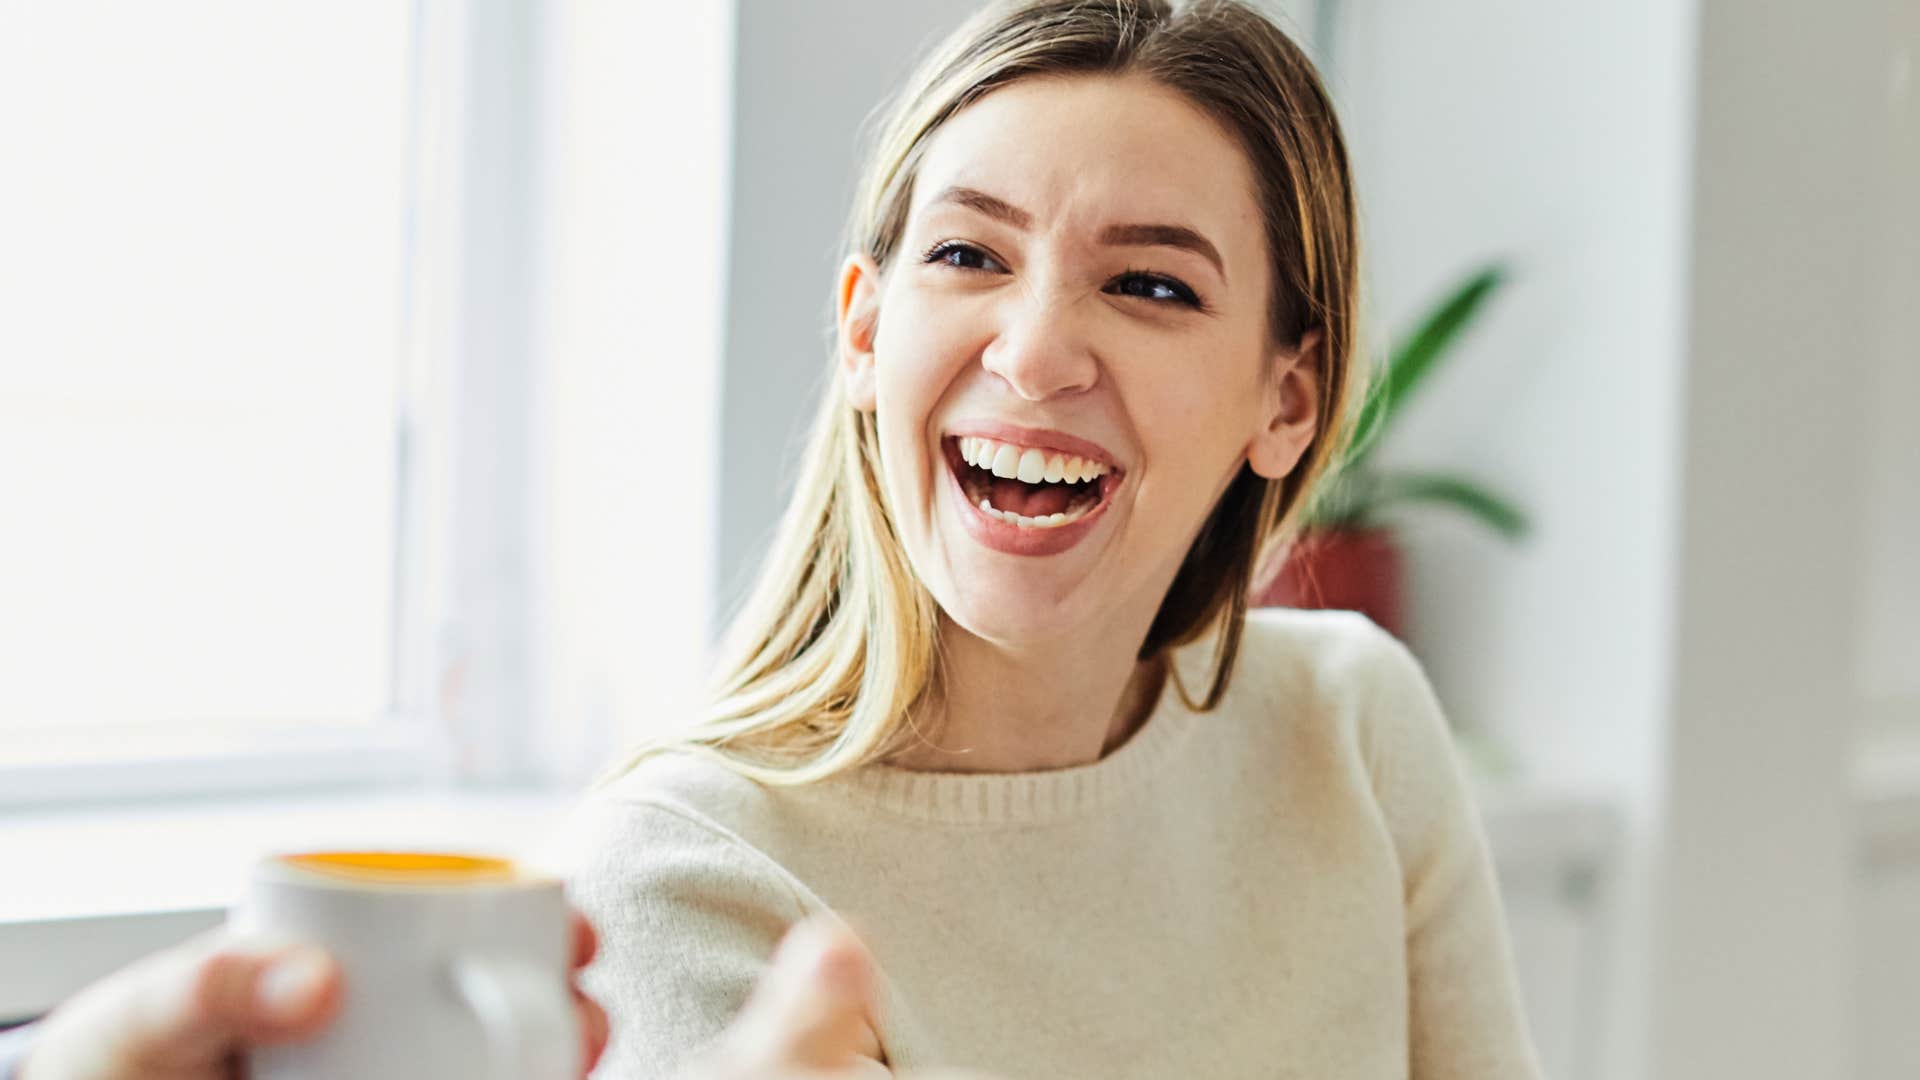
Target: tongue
1029, 500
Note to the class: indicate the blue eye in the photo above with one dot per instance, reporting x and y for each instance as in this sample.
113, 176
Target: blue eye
1155, 287
960, 256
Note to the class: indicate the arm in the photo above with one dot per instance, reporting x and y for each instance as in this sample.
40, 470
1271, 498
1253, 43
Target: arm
689, 916
1465, 1018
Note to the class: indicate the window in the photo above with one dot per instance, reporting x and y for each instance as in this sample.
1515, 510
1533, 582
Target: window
203, 212
331, 339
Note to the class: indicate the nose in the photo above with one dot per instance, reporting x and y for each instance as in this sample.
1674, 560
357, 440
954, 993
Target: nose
1041, 353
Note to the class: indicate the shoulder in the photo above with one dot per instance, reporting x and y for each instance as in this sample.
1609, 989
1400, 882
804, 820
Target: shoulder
692, 787
1394, 724
1337, 657
1334, 646
677, 831
1361, 683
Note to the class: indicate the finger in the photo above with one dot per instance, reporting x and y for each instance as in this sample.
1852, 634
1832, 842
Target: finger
221, 993
594, 1023
814, 1008
268, 996
586, 941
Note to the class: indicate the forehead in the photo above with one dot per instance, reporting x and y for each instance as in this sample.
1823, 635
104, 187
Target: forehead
1090, 150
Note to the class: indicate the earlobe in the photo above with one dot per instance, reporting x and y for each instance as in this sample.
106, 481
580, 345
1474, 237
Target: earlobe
856, 316
1293, 412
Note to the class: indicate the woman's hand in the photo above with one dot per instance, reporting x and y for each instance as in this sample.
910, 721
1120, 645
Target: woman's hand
191, 1012
810, 1018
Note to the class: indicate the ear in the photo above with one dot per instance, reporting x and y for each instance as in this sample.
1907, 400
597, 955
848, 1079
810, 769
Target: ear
856, 314
1292, 408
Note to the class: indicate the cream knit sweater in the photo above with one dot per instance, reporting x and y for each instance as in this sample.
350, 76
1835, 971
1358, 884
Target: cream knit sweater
1293, 885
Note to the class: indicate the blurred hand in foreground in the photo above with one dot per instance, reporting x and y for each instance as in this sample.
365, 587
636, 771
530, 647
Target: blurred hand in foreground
191, 1012
812, 1017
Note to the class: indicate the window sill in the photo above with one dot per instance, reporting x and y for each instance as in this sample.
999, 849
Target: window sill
89, 770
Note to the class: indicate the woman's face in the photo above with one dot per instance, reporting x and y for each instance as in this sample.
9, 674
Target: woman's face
1074, 332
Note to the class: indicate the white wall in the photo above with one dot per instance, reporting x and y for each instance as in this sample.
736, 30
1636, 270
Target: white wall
1887, 980
1789, 211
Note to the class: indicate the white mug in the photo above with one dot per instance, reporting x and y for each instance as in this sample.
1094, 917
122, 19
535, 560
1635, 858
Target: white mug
455, 967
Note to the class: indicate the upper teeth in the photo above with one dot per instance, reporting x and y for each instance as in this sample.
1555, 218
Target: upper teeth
1032, 466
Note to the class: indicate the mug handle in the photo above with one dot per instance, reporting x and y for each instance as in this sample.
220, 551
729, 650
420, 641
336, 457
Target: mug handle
527, 1016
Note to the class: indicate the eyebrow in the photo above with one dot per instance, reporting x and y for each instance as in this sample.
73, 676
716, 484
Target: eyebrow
1174, 236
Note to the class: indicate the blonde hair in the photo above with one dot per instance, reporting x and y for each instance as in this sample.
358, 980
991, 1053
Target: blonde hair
822, 669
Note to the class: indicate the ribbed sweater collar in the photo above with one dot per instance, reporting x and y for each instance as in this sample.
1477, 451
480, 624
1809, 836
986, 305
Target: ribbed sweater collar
1031, 797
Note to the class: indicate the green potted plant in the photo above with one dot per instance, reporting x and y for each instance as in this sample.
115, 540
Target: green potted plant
1346, 556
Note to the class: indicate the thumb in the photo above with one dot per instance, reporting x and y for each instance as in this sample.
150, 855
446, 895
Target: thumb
224, 994
814, 1008
189, 1008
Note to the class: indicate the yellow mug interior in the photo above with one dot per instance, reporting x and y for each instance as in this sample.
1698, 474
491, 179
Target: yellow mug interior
406, 867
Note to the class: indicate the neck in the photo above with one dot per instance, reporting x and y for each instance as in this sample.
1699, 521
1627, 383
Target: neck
1034, 707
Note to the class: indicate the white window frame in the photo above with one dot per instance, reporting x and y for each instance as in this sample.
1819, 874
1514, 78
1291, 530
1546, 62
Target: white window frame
465, 673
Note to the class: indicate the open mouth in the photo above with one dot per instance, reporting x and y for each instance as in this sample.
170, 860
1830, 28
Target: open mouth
1026, 487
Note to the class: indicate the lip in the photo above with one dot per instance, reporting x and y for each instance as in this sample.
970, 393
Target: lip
1008, 538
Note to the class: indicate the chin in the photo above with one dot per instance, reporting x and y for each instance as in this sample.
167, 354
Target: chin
1011, 612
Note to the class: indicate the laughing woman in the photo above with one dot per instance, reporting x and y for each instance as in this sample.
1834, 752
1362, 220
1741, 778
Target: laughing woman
997, 697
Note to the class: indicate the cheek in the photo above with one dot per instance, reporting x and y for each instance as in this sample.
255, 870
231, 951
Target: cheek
918, 351
1191, 408
918, 358
1194, 419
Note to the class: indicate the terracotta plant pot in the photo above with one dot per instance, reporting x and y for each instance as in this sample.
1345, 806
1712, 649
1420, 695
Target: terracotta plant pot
1357, 570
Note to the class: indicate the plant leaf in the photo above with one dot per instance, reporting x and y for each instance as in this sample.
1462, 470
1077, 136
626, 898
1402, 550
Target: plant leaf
1340, 502
1410, 364
1446, 489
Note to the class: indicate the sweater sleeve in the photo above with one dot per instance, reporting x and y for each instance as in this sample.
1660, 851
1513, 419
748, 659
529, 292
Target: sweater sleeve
1465, 1017
687, 914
